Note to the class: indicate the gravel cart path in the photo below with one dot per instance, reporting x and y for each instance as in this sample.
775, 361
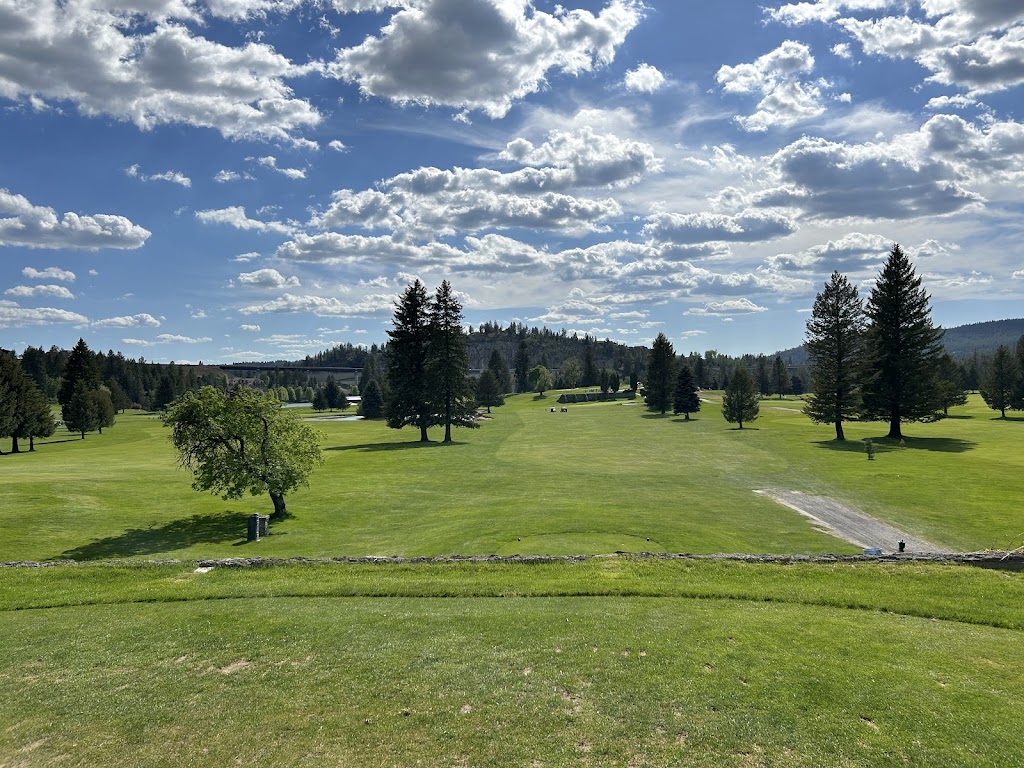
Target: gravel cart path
849, 524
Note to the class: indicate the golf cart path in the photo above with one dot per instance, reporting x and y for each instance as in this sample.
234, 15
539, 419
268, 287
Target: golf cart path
850, 524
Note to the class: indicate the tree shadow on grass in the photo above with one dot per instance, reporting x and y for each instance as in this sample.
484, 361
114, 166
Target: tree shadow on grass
1007, 418
215, 528
884, 445
685, 421
665, 415
369, 447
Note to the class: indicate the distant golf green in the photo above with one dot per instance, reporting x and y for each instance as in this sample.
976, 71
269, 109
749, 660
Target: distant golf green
602, 477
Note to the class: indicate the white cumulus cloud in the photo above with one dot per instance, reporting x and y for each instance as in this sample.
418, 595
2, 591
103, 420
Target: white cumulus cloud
33, 226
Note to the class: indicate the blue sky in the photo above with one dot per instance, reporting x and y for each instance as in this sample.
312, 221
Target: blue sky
225, 180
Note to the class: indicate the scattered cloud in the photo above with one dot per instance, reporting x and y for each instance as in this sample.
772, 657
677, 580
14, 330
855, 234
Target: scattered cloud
234, 216
727, 308
172, 176
32, 226
644, 79
267, 278
270, 162
482, 55
50, 273
28, 291
14, 316
140, 320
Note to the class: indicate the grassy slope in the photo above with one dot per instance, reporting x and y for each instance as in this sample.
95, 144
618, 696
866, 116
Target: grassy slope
310, 665
601, 478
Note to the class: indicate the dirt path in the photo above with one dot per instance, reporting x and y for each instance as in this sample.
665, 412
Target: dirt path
849, 524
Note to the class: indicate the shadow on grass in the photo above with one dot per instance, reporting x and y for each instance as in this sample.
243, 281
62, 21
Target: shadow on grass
1007, 418
368, 447
957, 416
884, 444
649, 415
686, 421
215, 528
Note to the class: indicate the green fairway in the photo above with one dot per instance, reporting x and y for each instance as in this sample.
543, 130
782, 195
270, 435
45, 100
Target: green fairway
605, 662
603, 477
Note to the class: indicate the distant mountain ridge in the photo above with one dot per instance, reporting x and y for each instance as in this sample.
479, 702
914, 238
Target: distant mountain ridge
961, 342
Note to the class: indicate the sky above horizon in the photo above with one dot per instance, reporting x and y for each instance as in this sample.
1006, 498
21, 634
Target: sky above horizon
225, 180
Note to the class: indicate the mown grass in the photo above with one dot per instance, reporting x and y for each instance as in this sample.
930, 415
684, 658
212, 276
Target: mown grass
600, 478
614, 661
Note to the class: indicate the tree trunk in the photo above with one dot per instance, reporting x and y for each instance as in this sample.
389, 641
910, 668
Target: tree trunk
279, 509
31, 443
423, 434
741, 425
839, 430
687, 415
894, 426
83, 435
14, 444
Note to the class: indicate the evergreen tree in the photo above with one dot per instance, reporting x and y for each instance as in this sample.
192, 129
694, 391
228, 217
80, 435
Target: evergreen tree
319, 400
522, 368
661, 375
488, 392
686, 400
118, 396
540, 379
740, 401
604, 380
1000, 381
80, 367
613, 381
37, 418
369, 372
764, 381
780, 377
80, 414
409, 401
499, 367
796, 384
590, 374
165, 394
835, 343
448, 363
902, 349
333, 394
1018, 392
9, 387
104, 406
951, 384
372, 404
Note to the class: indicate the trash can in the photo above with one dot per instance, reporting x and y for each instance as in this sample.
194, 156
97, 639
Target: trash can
264, 523
252, 532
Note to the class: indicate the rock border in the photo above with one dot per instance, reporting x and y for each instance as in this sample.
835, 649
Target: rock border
1009, 560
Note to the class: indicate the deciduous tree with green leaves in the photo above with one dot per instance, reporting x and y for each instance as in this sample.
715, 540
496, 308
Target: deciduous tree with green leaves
540, 379
740, 401
902, 349
242, 442
835, 343
571, 372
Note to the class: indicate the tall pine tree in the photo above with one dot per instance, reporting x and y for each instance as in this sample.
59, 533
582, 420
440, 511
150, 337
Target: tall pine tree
80, 367
686, 400
835, 343
902, 349
522, 367
448, 363
409, 401
661, 374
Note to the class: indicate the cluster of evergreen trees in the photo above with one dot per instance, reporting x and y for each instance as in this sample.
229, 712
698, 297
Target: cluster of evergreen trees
428, 364
24, 409
1002, 385
881, 361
